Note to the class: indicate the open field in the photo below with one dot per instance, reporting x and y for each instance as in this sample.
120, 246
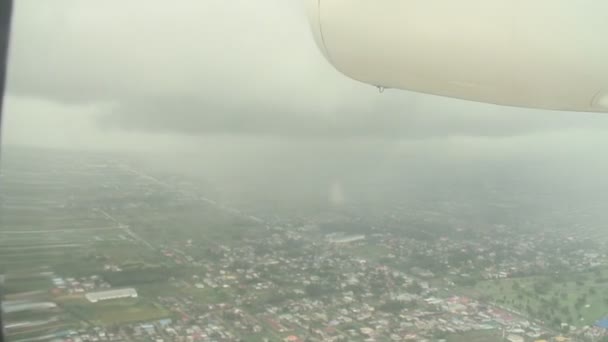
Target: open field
30, 283
206, 295
115, 311
577, 299
55, 211
476, 336
50, 217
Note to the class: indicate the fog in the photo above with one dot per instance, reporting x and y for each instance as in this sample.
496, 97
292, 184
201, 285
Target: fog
236, 93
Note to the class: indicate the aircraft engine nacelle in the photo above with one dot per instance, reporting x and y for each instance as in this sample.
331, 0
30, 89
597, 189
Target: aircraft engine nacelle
550, 54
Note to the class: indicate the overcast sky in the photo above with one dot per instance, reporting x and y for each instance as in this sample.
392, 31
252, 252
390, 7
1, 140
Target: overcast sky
243, 81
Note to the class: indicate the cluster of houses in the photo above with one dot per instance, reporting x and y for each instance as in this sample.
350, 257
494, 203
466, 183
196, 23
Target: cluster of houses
81, 285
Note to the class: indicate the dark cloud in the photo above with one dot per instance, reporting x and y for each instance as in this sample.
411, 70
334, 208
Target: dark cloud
391, 116
228, 67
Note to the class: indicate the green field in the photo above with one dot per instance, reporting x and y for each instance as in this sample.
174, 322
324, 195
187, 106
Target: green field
577, 299
26, 284
125, 252
208, 295
476, 336
369, 251
115, 311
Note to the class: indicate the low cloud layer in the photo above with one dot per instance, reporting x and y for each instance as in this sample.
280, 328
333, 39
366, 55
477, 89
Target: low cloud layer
214, 67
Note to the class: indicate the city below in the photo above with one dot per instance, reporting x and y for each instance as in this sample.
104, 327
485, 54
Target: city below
95, 247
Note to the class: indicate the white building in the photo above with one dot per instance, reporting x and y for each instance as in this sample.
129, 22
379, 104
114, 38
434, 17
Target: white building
341, 239
18, 306
94, 297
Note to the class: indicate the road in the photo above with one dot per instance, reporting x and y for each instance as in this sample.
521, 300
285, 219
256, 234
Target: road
54, 231
126, 229
227, 209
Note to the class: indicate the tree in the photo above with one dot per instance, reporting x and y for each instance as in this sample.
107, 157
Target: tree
415, 288
580, 301
315, 290
516, 286
393, 306
542, 286
440, 335
556, 321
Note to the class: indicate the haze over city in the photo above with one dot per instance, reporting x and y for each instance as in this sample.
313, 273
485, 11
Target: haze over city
202, 163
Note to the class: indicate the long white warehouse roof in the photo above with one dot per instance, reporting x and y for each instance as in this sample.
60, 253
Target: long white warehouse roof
111, 294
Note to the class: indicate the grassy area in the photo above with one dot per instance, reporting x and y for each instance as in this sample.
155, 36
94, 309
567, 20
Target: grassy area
208, 295
26, 284
124, 252
579, 299
207, 225
153, 290
73, 255
369, 250
475, 336
116, 311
